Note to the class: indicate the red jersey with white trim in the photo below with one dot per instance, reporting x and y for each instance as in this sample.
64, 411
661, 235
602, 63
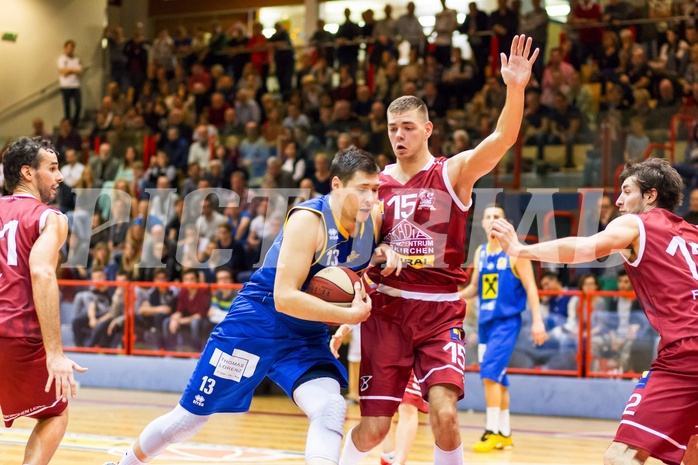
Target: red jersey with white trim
21, 220
424, 222
665, 274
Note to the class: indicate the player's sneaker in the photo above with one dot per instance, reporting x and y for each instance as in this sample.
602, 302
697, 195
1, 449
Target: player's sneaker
488, 442
385, 462
505, 442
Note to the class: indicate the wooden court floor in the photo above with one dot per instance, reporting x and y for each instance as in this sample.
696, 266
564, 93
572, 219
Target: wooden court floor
104, 422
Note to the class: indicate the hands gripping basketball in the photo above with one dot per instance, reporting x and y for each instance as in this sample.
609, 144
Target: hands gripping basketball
360, 308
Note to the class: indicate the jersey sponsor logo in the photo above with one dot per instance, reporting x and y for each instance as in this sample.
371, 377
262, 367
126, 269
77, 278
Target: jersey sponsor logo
352, 256
490, 286
643, 381
502, 263
332, 234
457, 334
415, 247
233, 366
426, 199
364, 383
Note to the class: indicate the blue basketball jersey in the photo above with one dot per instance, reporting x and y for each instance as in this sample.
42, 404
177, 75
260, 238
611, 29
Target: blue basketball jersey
339, 249
501, 292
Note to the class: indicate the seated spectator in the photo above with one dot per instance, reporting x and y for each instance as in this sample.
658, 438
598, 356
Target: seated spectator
190, 313
159, 166
97, 310
103, 165
176, 147
216, 110
566, 127
536, 123
192, 248
307, 142
614, 332
101, 258
321, 176
67, 138
276, 177
209, 220
109, 330
294, 161
254, 152
636, 141
295, 118
130, 258
222, 298
199, 150
159, 303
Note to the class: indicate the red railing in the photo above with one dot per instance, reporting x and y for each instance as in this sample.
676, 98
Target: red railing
671, 146
583, 356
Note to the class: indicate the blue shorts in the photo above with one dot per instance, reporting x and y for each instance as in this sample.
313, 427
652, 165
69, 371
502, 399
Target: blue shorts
249, 344
498, 337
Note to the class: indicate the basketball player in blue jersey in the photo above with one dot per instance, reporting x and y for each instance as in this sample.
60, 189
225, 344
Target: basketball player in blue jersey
275, 329
503, 285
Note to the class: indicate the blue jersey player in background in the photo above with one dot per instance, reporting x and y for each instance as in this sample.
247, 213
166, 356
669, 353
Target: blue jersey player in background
275, 329
503, 285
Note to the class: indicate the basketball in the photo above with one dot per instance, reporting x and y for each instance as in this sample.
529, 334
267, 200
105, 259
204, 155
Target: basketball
334, 284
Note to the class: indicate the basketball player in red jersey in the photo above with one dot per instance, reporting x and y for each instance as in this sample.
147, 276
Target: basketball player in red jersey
38, 376
659, 249
417, 319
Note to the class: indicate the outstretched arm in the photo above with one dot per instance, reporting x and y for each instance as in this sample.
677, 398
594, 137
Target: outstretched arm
467, 167
621, 235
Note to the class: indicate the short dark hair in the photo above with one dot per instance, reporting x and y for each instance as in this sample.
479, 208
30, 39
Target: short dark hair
408, 103
23, 152
224, 269
656, 173
190, 271
69, 41
350, 160
550, 275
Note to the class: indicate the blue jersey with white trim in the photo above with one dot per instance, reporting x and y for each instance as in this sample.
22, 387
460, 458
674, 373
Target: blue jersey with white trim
496, 274
339, 249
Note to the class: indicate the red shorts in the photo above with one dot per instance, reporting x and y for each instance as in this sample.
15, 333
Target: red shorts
23, 362
413, 396
662, 412
404, 335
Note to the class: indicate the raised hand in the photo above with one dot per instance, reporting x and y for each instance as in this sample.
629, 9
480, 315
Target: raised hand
504, 232
516, 69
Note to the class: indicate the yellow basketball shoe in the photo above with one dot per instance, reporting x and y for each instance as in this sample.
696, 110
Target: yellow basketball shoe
505, 442
488, 442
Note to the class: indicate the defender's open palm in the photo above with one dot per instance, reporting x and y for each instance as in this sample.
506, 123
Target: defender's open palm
60, 370
516, 69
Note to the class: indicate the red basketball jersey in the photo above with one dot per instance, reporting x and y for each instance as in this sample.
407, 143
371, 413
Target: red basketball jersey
22, 218
665, 274
424, 222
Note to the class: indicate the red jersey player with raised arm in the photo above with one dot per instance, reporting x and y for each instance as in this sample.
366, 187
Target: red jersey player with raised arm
660, 252
418, 319
39, 377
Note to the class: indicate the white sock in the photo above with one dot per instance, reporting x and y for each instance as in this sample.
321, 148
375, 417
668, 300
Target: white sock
453, 457
130, 458
492, 419
504, 424
389, 457
350, 454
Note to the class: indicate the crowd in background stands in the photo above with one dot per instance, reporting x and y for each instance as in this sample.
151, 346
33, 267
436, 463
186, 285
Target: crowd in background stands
189, 91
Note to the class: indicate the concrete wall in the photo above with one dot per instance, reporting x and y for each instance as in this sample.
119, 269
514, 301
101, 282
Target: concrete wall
29, 64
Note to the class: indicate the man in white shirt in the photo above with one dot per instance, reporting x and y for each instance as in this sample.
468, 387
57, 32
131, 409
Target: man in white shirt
72, 170
70, 69
199, 151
